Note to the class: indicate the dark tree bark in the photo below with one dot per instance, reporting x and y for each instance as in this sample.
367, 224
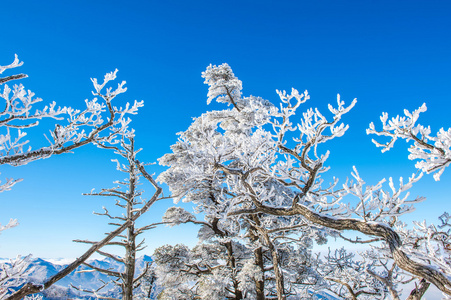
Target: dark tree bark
419, 291
12, 77
232, 264
260, 284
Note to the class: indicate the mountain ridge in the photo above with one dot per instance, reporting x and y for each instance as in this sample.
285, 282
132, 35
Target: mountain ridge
83, 277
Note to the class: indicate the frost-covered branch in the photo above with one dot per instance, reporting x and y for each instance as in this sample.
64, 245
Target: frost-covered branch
100, 122
128, 199
393, 239
95, 292
12, 223
13, 273
433, 152
16, 63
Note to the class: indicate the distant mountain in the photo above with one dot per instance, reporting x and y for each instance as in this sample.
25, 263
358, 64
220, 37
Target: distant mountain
82, 277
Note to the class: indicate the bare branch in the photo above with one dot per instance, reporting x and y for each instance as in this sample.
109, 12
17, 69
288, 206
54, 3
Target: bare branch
104, 271
12, 77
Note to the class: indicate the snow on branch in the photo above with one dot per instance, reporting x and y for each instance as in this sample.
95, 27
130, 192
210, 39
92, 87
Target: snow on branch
376, 204
177, 215
12, 223
16, 63
99, 122
8, 184
223, 85
13, 273
433, 152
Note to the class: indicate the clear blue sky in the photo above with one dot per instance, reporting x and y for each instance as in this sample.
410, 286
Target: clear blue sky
390, 55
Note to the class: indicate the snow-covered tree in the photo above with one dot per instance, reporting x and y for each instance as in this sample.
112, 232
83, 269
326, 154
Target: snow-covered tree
295, 161
207, 166
257, 168
128, 197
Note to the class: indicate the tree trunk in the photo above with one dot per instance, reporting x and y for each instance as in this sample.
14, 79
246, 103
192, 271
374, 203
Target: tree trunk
277, 273
260, 284
279, 276
127, 291
232, 264
258, 253
130, 248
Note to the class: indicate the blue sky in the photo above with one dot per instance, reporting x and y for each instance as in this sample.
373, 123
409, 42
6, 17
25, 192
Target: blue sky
390, 55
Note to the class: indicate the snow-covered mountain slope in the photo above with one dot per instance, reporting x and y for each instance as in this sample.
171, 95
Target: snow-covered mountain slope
43, 269
83, 276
